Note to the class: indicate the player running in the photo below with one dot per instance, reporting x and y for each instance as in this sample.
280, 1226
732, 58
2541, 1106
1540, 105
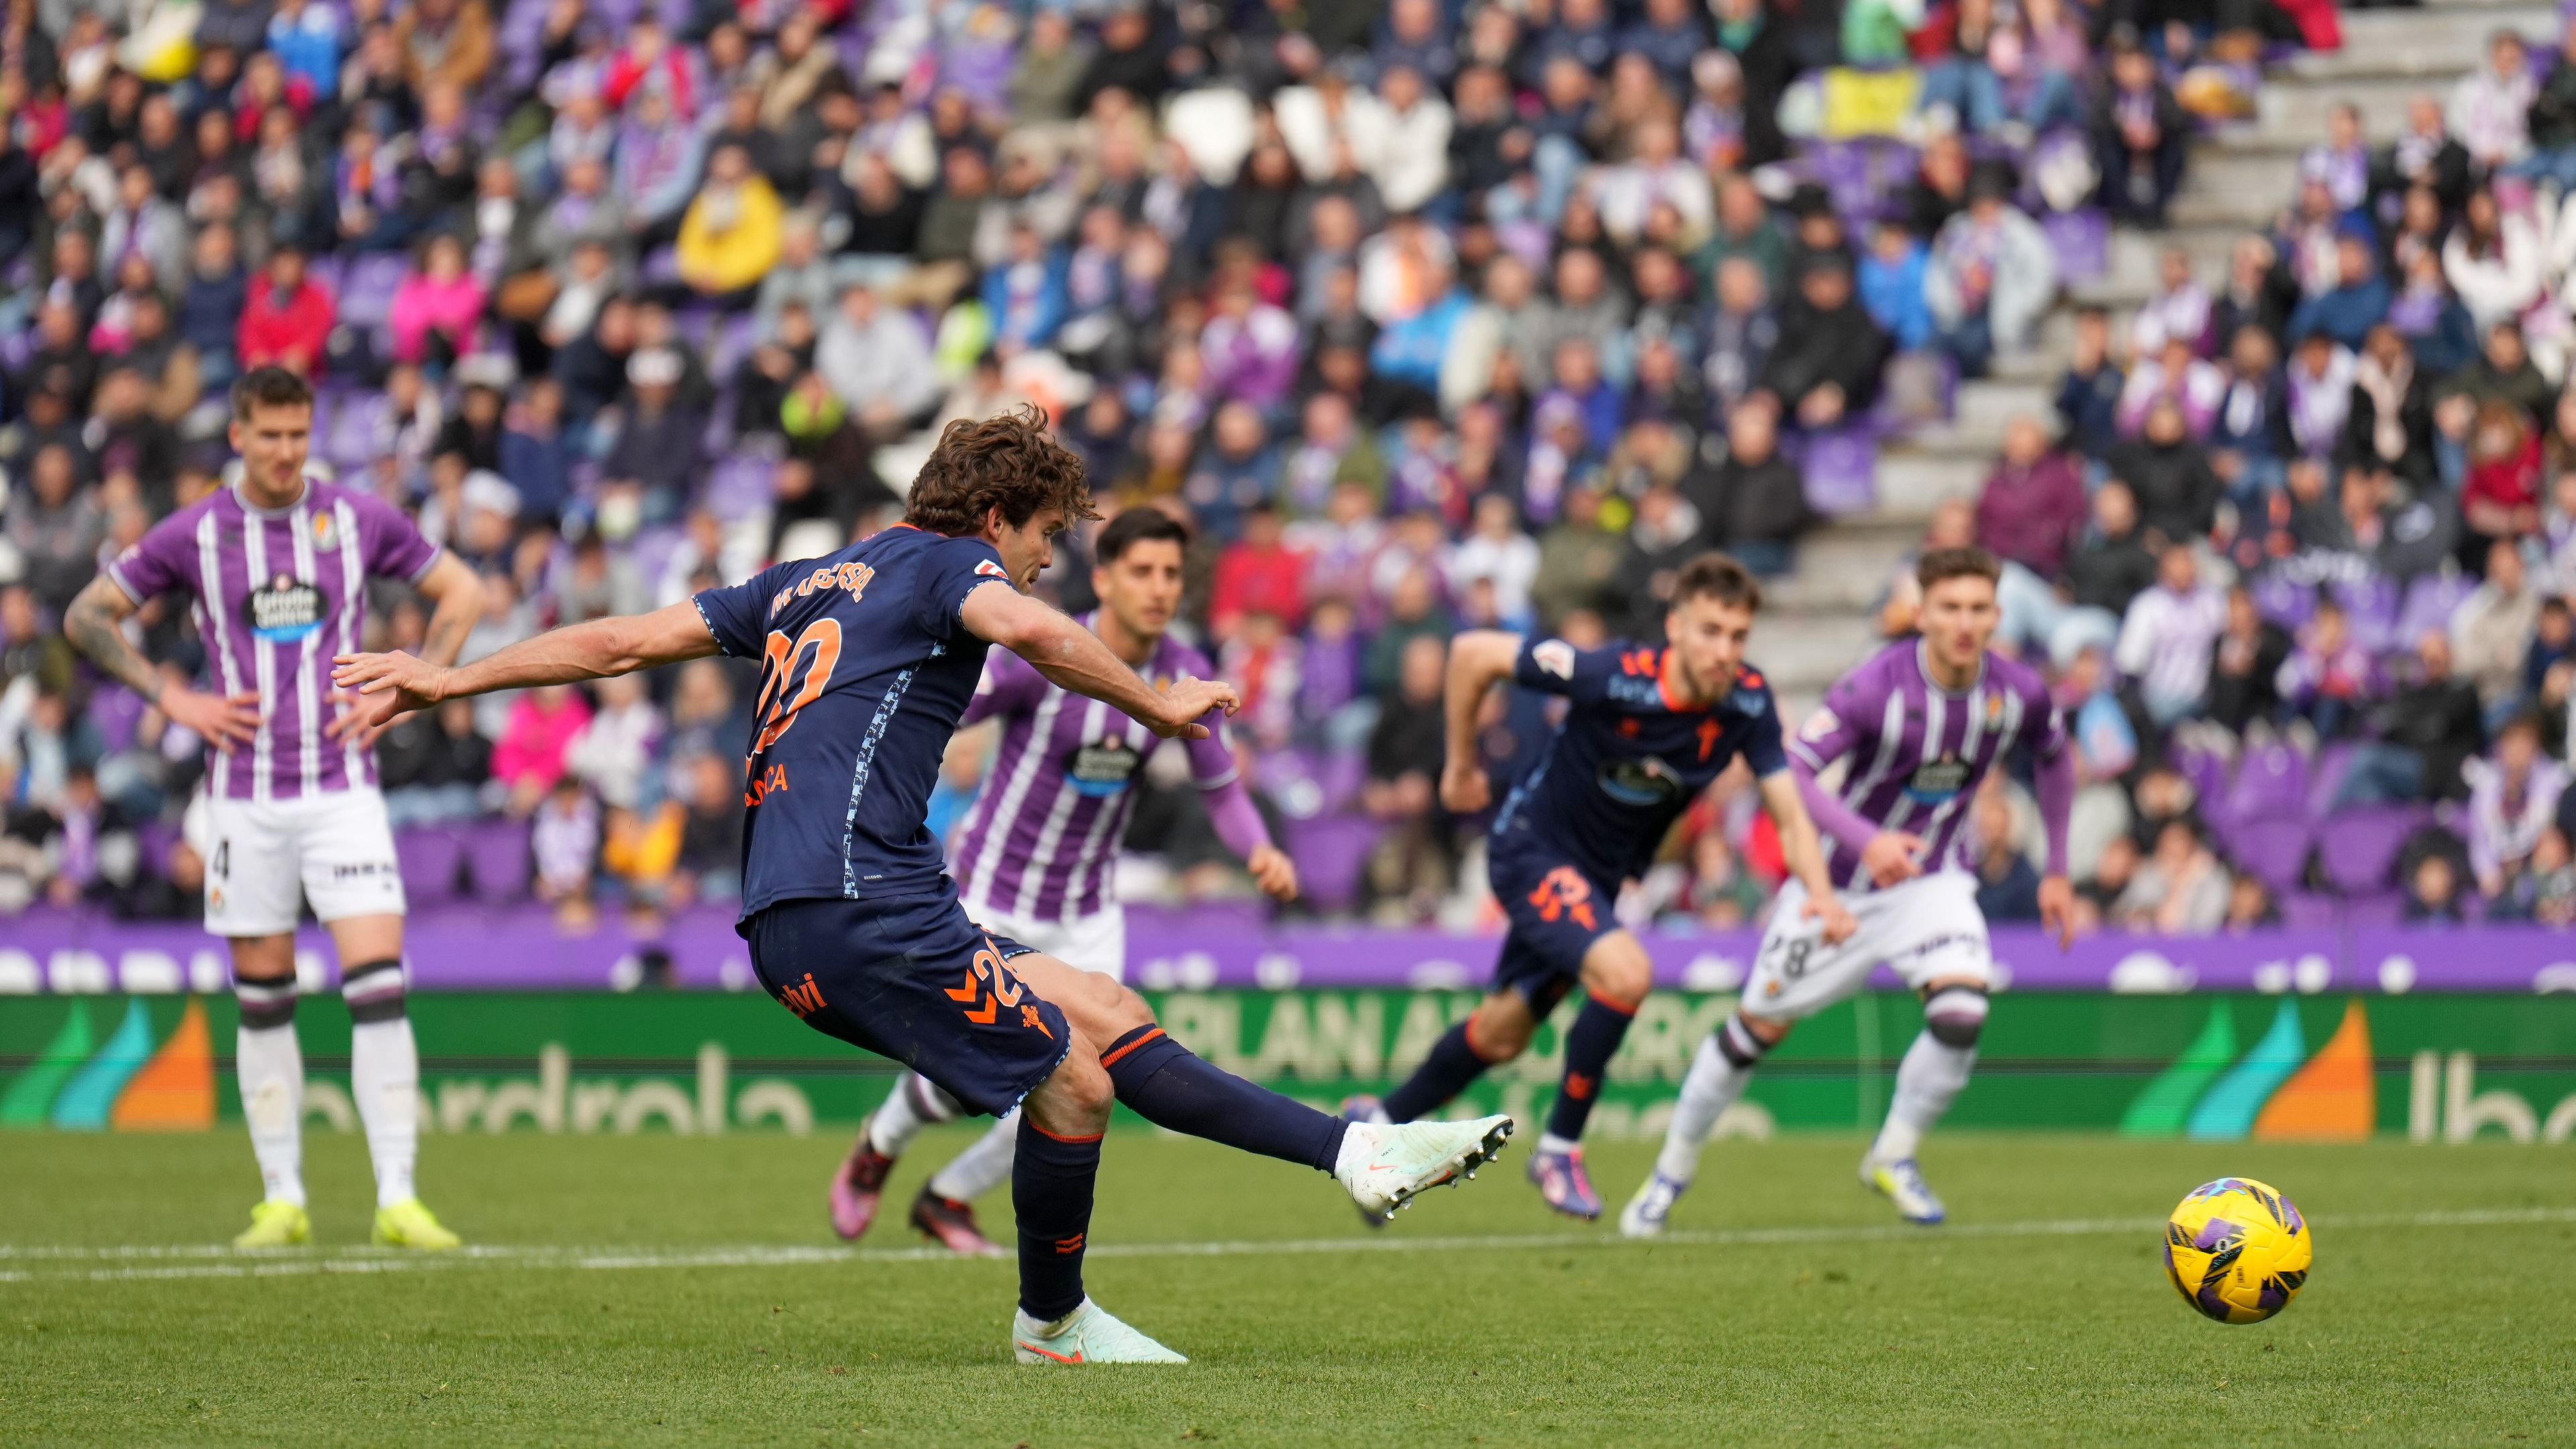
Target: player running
278, 562
1921, 723
1035, 859
1648, 730
869, 656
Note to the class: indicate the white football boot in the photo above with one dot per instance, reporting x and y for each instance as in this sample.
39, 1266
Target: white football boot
1645, 1214
1902, 1184
1089, 1334
1384, 1166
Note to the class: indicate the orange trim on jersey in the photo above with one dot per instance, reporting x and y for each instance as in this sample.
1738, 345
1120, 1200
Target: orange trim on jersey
1664, 685
1113, 1058
1624, 1008
1058, 1136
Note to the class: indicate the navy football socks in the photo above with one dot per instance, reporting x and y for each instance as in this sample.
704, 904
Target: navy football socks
1051, 1185
1166, 1084
1445, 1073
1590, 1043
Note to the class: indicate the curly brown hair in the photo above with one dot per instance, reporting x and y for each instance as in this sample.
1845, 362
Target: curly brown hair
1008, 461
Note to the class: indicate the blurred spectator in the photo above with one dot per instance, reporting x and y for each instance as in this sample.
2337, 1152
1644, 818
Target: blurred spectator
1755, 503
1826, 365
1408, 872
2245, 670
2329, 679
2166, 636
433, 765
2088, 393
2432, 725
2007, 883
529, 758
2169, 475
287, 321
2432, 895
1992, 275
2139, 133
2491, 633
2033, 506
2179, 890
2513, 803
2490, 106
565, 843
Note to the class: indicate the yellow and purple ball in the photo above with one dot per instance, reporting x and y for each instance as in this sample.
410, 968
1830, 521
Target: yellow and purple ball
2237, 1250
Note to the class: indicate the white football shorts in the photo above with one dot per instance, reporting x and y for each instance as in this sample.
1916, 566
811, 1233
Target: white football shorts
1925, 929
263, 856
1096, 942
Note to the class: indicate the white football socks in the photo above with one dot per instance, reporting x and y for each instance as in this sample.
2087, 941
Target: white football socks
384, 1077
982, 1167
269, 1063
1712, 1086
912, 1105
1927, 1082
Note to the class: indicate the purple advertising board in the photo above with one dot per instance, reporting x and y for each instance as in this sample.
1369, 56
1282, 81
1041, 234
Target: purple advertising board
1229, 948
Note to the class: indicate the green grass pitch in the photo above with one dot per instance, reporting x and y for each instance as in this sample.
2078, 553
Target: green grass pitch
650, 1290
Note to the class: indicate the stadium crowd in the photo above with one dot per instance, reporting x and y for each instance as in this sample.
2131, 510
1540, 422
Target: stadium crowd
1425, 315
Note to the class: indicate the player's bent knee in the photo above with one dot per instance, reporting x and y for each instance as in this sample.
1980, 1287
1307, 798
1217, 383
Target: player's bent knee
1618, 970
1075, 1098
1499, 1033
1769, 1030
1955, 1013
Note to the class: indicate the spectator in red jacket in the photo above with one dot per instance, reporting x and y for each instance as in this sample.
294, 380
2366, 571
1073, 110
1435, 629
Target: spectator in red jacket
1258, 573
2033, 505
288, 319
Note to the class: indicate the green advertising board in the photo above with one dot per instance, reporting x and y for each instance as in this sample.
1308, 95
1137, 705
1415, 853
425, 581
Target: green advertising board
2214, 1066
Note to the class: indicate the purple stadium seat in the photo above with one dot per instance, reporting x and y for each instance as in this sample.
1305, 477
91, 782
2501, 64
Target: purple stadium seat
2326, 778
653, 549
1332, 858
2363, 913
2271, 783
2283, 601
1841, 469
429, 859
2274, 848
2308, 911
2358, 848
1342, 775
2372, 605
2205, 769
367, 297
152, 840
350, 443
497, 855
734, 340
740, 485
116, 713
2430, 602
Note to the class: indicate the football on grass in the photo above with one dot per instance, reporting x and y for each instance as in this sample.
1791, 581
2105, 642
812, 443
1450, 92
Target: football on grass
2237, 1250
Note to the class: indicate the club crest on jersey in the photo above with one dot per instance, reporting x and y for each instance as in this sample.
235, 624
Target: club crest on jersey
1555, 656
1937, 781
1103, 768
284, 612
1641, 782
326, 531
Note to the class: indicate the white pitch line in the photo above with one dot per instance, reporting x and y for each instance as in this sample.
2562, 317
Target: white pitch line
215, 1261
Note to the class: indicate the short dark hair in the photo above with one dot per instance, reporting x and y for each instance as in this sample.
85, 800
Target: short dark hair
1717, 576
1940, 564
269, 386
1135, 526
1007, 461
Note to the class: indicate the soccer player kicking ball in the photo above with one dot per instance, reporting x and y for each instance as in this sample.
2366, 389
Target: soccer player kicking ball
868, 658
1921, 723
1040, 846
279, 562
1648, 729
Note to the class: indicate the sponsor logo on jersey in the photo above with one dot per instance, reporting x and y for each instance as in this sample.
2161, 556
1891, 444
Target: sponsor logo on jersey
285, 612
1555, 656
1937, 781
1641, 782
1103, 768
992, 570
1820, 724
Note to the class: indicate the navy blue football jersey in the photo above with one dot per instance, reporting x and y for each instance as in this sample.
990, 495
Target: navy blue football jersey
1628, 759
865, 668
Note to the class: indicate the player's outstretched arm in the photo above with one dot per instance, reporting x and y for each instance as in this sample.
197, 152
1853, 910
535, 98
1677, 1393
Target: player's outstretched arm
396, 684
456, 602
1805, 853
2055, 784
93, 624
1074, 658
1478, 660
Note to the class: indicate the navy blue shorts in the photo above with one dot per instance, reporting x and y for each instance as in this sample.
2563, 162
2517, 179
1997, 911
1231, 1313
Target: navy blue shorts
917, 981
1557, 910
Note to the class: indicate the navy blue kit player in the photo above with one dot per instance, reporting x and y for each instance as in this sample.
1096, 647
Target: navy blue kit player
1645, 730
868, 659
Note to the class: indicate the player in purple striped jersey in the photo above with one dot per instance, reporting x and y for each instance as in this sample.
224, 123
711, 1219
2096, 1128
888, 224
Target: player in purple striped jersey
1034, 859
1919, 726
279, 562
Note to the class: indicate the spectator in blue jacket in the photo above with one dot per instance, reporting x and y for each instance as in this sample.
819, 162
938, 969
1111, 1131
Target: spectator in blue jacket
1891, 285
2354, 304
